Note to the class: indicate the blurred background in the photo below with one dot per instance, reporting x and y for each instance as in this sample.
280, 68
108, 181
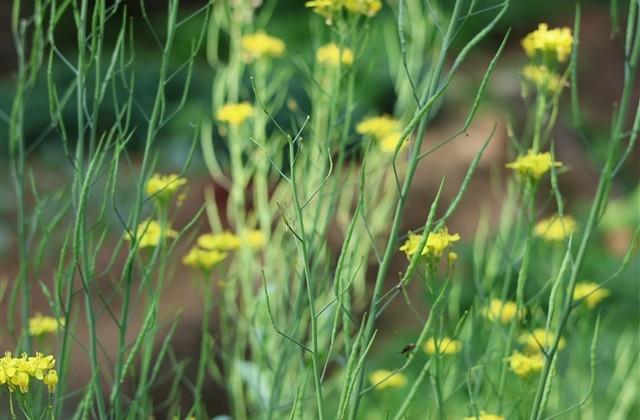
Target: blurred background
599, 80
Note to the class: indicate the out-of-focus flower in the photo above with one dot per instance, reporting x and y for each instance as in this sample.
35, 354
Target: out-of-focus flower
389, 142
437, 243
330, 8
234, 114
260, 45
526, 364
331, 55
591, 292
483, 415
163, 187
149, 233
556, 42
543, 78
386, 379
499, 310
41, 325
533, 164
203, 259
445, 345
555, 228
538, 338
378, 127
225, 241
253, 238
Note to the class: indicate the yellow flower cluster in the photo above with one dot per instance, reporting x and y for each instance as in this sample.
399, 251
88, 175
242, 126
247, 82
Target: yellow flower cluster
149, 233
555, 228
437, 243
211, 248
591, 292
386, 379
543, 78
526, 364
234, 114
385, 129
331, 8
539, 338
556, 42
16, 372
41, 325
163, 187
533, 164
260, 45
445, 345
330, 55
483, 415
499, 310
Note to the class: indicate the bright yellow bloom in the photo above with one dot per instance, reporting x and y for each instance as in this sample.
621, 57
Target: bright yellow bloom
379, 127
389, 142
51, 380
555, 228
16, 372
330, 55
556, 42
149, 233
391, 380
330, 8
483, 415
41, 325
225, 241
543, 78
524, 365
260, 45
203, 259
253, 238
234, 114
591, 292
533, 164
540, 338
163, 187
499, 310
445, 344
437, 243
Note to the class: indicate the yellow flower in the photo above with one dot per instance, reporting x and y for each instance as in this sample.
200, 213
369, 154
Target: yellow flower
364, 7
225, 241
389, 142
540, 338
499, 310
203, 259
391, 380
39, 364
483, 415
452, 257
41, 325
556, 42
543, 78
555, 228
163, 187
330, 8
17, 371
330, 55
533, 164
591, 292
437, 243
445, 345
253, 238
379, 127
234, 114
51, 380
524, 365
259, 45
149, 233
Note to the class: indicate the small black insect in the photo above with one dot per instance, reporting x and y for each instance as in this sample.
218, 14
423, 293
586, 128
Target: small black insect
408, 349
